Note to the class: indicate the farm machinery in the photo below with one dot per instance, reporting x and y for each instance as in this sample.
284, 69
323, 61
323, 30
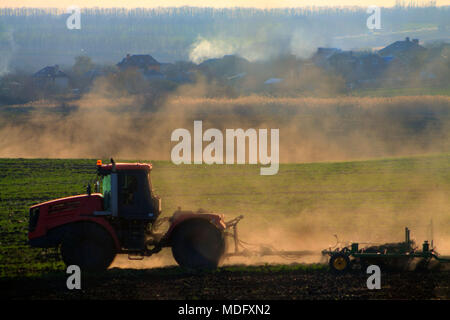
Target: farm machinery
347, 256
91, 229
398, 256
124, 218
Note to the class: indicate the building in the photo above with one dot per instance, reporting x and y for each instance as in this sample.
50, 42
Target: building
51, 75
399, 49
148, 66
143, 62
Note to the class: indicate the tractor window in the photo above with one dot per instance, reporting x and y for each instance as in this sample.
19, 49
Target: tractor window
106, 187
129, 188
135, 199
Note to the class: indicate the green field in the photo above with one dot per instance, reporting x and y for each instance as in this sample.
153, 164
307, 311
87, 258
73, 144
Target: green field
308, 202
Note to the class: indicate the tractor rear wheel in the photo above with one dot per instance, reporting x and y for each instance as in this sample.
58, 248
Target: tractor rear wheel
340, 263
88, 246
198, 244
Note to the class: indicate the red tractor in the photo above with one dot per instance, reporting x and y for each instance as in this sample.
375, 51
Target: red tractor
91, 229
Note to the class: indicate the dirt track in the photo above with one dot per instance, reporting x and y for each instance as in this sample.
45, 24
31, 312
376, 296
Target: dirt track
254, 283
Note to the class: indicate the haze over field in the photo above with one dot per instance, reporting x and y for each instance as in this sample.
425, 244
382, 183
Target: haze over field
32, 38
201, 3
311, 129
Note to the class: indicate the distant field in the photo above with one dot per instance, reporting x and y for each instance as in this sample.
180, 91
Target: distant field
393, 92
304, 204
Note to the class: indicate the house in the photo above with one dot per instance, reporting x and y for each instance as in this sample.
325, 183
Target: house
143, 62
399, 49
403, 57
51, 75
355, 67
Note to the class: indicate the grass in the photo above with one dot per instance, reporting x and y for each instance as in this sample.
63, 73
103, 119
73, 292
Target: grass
387, 185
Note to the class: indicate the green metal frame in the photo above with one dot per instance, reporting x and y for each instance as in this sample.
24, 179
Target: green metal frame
353, 251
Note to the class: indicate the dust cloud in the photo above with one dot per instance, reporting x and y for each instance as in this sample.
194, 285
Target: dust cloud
106, 123
260, 44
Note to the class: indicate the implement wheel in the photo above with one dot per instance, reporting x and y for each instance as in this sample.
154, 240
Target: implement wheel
198, 244
340, 263
88, 246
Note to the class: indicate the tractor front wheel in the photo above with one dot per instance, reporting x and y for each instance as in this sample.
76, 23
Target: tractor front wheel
88, 246
198, 244
340, 263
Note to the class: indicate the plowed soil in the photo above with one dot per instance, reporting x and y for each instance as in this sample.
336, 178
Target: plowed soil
231, 283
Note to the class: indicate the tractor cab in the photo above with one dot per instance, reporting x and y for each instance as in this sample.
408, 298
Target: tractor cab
127, 191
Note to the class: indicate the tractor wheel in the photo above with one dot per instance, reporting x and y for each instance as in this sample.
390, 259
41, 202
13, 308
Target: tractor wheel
88, 246
340, 263
198, 244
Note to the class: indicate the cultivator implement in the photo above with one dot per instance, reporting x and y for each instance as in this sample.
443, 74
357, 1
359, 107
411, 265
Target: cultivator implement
348, 256
388, 256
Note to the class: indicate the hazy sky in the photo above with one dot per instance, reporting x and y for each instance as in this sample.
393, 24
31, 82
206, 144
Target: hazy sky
199, 3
